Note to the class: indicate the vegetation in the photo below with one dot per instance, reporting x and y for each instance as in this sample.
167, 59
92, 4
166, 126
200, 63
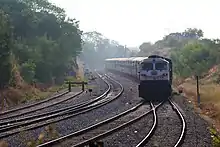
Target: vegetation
215, 137
192, 54
49, 133
96, 48
39, 44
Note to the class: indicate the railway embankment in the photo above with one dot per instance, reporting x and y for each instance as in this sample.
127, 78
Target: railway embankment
208, 104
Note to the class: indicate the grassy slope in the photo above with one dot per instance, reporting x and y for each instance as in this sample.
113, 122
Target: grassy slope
21, 92
210, 100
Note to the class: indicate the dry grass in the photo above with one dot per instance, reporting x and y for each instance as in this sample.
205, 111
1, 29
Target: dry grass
13, 96
209, 107
49, 133
210, 100
3, 144
21, 92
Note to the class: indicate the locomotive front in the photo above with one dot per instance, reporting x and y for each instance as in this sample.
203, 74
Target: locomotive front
155, 79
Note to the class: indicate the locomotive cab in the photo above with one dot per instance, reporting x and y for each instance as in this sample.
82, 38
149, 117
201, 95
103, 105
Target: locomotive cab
153, 72
154, 79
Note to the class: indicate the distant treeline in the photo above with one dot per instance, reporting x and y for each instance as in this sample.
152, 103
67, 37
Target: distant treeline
191, 53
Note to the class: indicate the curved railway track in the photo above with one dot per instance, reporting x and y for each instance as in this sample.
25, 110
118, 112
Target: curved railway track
29, 123
102, 129
151, 132
94, 132
183, 130
109, 126
8, 120
154, 126
65, 98
33, 104
54, 113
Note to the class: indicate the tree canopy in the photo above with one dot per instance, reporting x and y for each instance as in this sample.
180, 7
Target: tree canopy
191, 53
38, 37
40, 43
97, 47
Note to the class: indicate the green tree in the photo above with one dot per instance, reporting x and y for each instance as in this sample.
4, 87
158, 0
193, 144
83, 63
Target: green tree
44, 43
190, 53
96, 48
5, 50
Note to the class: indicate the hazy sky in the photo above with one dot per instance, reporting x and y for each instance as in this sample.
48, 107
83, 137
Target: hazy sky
132, 22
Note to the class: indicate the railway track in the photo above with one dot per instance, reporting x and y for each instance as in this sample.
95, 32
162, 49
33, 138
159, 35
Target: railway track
97, 131
33, 104
151, 132
23, 115
58, 112
36, 106
102, 129
183, 130
109, 126
154, 126
12, 127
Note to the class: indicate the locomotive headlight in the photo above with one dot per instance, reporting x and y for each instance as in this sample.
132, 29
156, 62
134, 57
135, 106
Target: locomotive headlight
165, 74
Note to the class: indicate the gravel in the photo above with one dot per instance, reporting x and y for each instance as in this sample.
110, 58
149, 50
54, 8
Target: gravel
166, 134
103, 128
168, 129
41, 105
123, 103
98, 85
132, 135
33, 101
198, 133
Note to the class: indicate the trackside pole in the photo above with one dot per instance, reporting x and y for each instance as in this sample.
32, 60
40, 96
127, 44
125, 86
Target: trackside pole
198, 94
69, 86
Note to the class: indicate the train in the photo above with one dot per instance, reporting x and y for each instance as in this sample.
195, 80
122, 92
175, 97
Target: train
154, 74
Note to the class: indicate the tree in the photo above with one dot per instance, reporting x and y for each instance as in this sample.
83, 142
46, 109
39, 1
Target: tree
145, 46
189, 52
44, 42
5, 51
193, 33
96, 48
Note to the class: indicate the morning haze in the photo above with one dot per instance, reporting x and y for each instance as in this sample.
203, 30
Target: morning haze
135, 21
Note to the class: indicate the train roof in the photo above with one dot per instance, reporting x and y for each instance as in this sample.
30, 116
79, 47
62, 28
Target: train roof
117, 59
137, 59
157, 56
127, 59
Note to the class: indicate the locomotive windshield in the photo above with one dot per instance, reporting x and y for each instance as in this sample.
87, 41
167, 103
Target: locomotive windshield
161, 66
147, 66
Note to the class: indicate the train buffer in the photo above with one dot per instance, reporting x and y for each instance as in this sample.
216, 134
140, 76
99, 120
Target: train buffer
71, 82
